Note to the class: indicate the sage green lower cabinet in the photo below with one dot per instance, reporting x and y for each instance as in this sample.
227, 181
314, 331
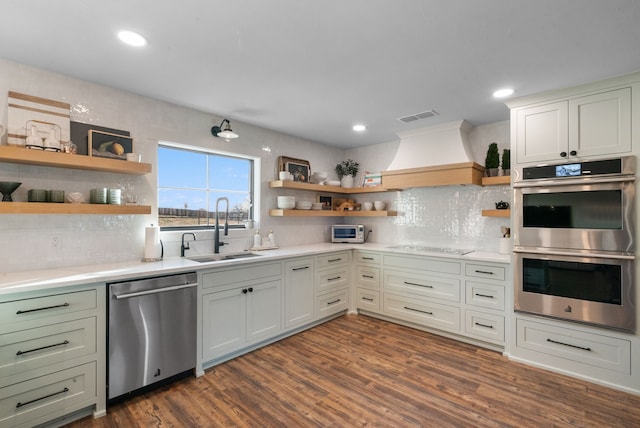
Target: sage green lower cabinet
52, 355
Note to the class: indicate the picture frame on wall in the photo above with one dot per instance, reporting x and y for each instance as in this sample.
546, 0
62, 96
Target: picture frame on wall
108, 145
299, 171
327, 202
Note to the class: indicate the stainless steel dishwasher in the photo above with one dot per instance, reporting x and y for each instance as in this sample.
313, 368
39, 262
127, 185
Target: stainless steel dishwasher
152, 331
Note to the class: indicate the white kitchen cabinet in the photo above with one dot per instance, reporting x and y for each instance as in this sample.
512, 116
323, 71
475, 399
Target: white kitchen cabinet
593, 125
368, 280
299, 292
52, 355
332, 279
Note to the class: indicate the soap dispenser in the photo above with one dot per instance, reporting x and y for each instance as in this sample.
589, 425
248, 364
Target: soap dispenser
257, 239
272, 238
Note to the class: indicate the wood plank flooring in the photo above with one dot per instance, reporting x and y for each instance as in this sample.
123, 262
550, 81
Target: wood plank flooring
358, 371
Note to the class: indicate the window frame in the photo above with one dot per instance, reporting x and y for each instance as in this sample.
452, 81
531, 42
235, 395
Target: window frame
254, 210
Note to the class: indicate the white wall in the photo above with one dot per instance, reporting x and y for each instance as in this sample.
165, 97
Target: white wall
448, 216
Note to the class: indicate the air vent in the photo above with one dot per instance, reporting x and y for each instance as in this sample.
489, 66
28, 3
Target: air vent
418, 116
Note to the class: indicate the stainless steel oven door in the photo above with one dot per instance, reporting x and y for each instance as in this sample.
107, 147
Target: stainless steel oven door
590, 289
580, 214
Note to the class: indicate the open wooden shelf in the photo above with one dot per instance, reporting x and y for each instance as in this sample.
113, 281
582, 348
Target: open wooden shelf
53, 208
496, 181
496, 213
330, 213
66, 160
288, 184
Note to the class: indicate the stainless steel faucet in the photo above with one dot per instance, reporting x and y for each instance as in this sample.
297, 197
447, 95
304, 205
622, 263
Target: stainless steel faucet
216, 236
186, 247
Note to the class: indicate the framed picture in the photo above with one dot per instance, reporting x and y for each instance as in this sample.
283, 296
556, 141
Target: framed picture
80, 135
327, 202
283, 160
108, 145
299, 171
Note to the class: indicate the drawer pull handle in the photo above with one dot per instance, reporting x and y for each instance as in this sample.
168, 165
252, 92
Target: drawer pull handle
42, 398
42, 309
367, 258
486, 272
368, 276
569, 345
334, 302
334, 278
418, 310
419, 285
334, 260
66, 342
368, 299
301, 268
484, 295
483, 325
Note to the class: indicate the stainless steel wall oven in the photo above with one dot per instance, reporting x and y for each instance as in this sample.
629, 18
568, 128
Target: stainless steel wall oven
574, 241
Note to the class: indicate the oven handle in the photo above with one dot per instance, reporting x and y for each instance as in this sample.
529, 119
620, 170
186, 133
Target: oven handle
153, 291
574, 181
575, 254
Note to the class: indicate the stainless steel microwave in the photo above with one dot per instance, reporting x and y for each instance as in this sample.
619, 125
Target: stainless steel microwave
348, 233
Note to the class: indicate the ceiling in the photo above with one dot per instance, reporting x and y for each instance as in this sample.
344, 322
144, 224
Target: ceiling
315, 68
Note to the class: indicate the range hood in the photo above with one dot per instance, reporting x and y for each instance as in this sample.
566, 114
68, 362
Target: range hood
435, 156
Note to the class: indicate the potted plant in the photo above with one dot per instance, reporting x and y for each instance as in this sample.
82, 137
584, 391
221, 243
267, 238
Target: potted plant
347, 171
506, 162
492, 161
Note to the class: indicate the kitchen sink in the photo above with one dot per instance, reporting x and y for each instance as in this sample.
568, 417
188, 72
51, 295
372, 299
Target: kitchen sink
219, 257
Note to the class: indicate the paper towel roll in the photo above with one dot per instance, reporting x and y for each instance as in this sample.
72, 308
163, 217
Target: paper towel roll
152, 248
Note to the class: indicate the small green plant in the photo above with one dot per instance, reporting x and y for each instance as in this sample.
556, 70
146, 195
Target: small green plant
493, 157
348, 167
506, 159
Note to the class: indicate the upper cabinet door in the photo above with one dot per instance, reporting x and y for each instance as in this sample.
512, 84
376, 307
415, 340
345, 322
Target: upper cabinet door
542, 132
600, 124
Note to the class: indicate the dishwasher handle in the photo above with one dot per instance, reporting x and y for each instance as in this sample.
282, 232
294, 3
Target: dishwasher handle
153, 291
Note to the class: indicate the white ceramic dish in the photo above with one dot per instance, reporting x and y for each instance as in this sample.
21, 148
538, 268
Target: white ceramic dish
335, 183
286, 202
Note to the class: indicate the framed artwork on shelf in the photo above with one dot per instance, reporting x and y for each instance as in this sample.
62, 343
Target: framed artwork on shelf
299, 171
327, 202
108, 145
283, 160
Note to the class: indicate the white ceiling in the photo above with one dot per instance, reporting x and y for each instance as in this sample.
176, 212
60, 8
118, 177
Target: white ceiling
314, 68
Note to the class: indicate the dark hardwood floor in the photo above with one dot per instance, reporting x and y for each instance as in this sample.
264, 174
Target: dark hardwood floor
359, 371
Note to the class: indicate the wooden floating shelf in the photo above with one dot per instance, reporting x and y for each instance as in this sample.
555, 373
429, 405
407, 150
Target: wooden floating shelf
330, 213
496, 181
65, 160
55, 208
496, 213
288, 184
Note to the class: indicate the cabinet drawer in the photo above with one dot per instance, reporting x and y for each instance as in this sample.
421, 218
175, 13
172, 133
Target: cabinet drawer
332, 279
433, 265
495, 273
490, 296
41, 308
484, 326
422, 312
364, 257
332, 303
424, 285
39, 347
232, 277
582, 347
367, 299
37, 400
333, 259
368, 277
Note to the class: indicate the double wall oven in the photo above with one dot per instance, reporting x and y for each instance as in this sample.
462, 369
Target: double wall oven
574, 241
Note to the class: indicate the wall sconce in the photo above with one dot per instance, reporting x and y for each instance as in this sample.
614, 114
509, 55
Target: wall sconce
224, 131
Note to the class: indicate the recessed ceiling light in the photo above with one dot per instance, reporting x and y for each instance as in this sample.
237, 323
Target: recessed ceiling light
503, 93
131, 38
359, 128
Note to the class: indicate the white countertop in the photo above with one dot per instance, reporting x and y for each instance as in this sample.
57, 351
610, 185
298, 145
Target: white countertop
17, 282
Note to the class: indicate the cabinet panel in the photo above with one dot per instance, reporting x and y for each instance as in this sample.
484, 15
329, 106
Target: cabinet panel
365, 257
368, 277
264, 310
434, 265
332, 303
299, 292
45, 307
223, 278
224, 322
542, 132
368, 299
425, 285
484, 326
332, 279
574, 345
333, 259
495, 273
416, 310
489, 296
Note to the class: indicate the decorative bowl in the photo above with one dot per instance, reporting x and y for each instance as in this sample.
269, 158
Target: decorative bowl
7, 188
286, 202
335, 183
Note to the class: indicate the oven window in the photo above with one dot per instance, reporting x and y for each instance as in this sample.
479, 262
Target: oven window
595, 282
599, 209
344, 233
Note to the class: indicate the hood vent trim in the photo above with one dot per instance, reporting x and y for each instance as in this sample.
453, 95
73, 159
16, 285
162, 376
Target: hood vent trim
418, 116
432, 176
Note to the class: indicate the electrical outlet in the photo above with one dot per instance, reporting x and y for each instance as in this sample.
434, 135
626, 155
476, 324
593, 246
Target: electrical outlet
55, 241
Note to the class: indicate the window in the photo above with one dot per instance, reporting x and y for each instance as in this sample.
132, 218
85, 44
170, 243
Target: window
190, 181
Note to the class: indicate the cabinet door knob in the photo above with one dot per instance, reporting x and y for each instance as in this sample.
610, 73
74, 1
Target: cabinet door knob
563, 154
250, 289
573, 153
244, 291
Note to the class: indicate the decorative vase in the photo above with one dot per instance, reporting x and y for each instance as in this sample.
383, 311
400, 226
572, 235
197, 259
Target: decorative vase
492, 172
506, 172
346, 181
